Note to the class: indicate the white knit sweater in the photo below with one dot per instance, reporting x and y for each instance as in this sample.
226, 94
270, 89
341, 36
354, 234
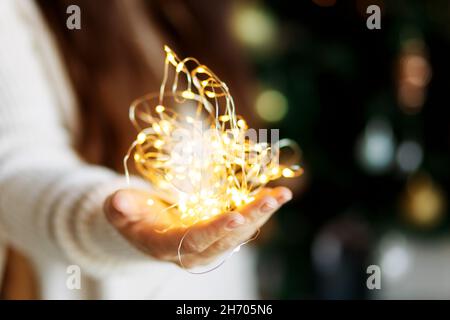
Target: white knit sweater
51, 201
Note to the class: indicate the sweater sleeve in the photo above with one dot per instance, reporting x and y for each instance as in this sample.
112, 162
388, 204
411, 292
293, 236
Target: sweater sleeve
50, 200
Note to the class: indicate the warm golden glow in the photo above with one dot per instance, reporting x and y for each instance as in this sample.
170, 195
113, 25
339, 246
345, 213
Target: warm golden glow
188, 95
234, 168
160, 108
158, 144
288, 173
141, 138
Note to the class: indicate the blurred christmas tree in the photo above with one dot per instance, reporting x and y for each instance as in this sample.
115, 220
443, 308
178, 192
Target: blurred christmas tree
369, 109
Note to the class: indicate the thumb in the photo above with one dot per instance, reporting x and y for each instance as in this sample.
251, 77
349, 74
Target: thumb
127, 206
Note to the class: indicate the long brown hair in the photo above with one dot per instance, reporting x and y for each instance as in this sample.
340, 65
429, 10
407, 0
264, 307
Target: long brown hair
117, 56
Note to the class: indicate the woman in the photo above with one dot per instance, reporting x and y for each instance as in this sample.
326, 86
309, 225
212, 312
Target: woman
64, 131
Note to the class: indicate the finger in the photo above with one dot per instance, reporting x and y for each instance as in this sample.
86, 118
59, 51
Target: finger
190, 241
129, 205
190, 261
202, 235
256, 213
228, 243
281, 194
213, 253
130, 211
265, 203
234, 228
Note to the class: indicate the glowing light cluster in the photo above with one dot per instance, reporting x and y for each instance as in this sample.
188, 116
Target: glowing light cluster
193, 147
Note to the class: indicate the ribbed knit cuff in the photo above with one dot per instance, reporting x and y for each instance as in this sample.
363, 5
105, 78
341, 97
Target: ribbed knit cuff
88, 238
98, 233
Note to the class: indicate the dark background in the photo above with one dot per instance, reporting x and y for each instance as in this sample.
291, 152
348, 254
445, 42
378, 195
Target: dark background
354, 97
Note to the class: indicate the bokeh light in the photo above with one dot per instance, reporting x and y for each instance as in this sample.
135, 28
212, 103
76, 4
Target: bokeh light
424, 201
376, 146
395, 256
409, 156
414, 74
254, 27
271, 105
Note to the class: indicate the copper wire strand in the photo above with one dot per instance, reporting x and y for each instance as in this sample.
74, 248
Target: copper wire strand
218, 265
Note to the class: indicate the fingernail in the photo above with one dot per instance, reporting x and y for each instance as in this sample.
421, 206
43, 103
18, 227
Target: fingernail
124, 204
285, 198
269, 205
235, 223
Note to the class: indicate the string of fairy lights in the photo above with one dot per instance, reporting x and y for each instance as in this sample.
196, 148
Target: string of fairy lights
193, 147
